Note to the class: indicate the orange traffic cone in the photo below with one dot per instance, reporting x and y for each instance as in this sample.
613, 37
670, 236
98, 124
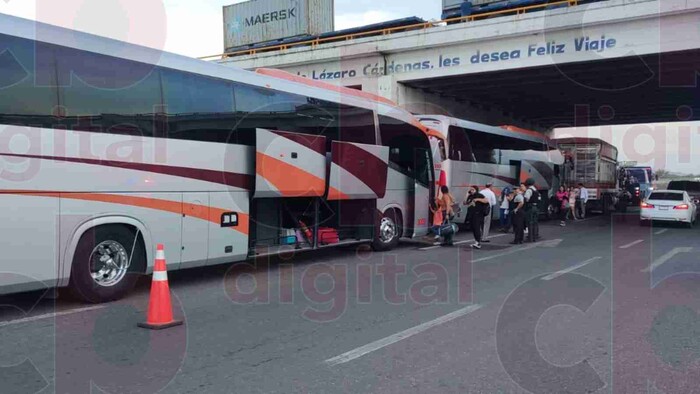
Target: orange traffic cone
160, 309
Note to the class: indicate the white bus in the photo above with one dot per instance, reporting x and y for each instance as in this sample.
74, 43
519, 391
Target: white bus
505, 156
108, 148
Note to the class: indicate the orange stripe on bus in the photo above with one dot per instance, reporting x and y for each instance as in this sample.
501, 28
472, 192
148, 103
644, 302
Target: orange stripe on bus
288, 178
335, 194
211, 214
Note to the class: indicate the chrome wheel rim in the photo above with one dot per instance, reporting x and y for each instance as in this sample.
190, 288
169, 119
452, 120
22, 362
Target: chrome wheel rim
387, 230
109, 262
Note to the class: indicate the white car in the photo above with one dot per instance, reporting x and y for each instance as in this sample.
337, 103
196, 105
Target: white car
669, 206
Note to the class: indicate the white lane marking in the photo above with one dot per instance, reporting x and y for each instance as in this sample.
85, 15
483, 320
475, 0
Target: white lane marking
49, 315
384, 342
631, 244
505, 253
661, 231
437, 244
546, 244
661, 260
571, 269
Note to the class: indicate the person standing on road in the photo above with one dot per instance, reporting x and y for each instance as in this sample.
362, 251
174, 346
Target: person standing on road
504, 213
477, 208
446, 202
583, 199
532, 210
562, 198
518, 215
571, 210
437, 218
491, 197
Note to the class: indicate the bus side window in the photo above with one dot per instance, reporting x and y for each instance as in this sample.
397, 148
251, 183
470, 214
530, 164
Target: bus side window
357, 125
459, 145
403, 140
198, 108
269, 109
27, 80
108, 94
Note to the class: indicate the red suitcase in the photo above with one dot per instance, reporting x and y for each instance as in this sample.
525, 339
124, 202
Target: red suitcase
327, 236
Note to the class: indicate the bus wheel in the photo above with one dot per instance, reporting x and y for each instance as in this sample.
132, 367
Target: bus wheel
104, 268
388, 231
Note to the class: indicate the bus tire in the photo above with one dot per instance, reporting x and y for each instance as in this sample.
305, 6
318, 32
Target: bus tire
388, 231
100, 271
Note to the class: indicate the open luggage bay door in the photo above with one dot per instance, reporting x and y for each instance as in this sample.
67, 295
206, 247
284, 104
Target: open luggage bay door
358, 171
289, 164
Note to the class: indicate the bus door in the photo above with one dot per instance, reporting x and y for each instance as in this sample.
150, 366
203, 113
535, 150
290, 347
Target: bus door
423, 192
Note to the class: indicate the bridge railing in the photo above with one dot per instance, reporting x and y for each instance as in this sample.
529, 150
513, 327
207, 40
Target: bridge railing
314, 43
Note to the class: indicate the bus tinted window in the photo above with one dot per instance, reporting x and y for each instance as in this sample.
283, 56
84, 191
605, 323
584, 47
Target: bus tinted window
198, 108
357, 125
460, 147
27, 83
108, 94
406, 143
270, 109
499, 149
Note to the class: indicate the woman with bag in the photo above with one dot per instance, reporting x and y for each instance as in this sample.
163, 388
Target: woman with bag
563, 199
478, 208
446, 202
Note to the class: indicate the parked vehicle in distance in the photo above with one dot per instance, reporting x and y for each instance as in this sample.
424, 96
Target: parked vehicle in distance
638, 181
691, 187
668, 206
592, 162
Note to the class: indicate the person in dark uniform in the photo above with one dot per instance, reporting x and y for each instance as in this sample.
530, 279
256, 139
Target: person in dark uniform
532, 210
517, 209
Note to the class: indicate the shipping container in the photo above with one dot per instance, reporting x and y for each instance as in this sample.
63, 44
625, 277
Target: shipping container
447, 4
265, 20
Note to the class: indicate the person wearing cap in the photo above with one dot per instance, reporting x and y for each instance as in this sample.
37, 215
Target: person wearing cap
532, 210
491, 196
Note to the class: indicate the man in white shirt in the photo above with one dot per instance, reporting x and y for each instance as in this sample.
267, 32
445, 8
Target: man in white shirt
583, 196
491, 196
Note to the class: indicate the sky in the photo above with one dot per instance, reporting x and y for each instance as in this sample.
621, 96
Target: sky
195, 28
670, 146
189, 27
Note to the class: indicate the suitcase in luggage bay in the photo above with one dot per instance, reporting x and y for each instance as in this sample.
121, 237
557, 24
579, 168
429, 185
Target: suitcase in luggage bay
328, 236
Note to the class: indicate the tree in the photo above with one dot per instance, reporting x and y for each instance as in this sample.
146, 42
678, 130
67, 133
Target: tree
661, 173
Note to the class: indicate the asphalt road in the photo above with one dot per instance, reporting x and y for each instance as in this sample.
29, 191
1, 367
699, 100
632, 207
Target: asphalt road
602, 305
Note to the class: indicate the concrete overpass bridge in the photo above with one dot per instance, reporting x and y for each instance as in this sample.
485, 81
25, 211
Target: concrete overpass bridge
611, 62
